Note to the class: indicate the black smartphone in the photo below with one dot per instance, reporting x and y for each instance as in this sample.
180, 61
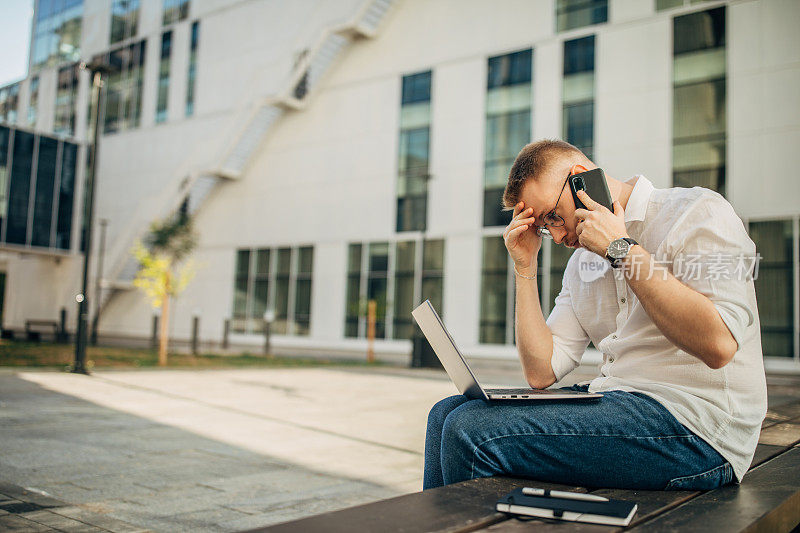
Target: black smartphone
594, 183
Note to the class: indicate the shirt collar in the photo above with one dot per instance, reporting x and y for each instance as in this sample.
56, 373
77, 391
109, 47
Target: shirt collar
640, 197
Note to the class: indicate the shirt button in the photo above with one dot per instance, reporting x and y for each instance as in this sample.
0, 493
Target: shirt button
613, 336
611, 359
623, 300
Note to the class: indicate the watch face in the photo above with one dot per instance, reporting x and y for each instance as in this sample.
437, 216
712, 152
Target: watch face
618, 249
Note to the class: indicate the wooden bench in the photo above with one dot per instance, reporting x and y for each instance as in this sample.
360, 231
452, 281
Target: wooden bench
768, 500
32, 335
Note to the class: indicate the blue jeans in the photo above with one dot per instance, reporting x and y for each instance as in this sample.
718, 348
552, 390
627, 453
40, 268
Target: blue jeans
625, 440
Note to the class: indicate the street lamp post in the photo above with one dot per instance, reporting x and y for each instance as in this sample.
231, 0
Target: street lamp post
99, 279
97, 70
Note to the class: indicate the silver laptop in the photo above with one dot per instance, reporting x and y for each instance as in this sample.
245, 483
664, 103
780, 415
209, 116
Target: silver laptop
461, 374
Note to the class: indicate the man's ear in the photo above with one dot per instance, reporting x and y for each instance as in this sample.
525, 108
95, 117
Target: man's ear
577, 169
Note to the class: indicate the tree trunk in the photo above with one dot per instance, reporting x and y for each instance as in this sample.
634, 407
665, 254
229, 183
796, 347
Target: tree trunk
164, 335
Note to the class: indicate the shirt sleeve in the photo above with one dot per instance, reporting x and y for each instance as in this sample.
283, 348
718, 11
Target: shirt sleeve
712, 253
569, 338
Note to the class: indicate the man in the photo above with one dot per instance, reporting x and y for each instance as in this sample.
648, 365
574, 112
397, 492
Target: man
682, 372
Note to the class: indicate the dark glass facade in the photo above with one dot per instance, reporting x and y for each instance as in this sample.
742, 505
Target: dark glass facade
37, 174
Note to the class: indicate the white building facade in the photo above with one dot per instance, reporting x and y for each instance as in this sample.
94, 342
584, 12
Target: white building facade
334, 152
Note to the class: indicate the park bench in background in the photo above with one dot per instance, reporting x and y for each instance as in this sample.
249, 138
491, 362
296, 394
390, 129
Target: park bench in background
33, 329
768, 499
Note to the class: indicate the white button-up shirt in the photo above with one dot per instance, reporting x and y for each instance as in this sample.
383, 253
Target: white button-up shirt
696, 234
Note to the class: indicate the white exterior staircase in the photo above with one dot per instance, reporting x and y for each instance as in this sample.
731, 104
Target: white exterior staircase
258, 120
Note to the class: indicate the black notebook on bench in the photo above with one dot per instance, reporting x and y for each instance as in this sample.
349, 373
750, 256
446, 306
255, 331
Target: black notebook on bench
567, 506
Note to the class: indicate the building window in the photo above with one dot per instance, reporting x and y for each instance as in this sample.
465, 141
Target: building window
669, 4
392, 272
57, 32
192, 75
45, 180
508, 127
20, 187
33, 101
66, 195
175, 10
9, 102
38, 211
775, 286
276, 280
578, 94
572, 14
66, 97
124, 20
498, 287
5, 141
163, 76
698, 100
123, 94
413, 171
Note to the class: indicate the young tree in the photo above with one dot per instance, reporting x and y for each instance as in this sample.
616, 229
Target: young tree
164, 270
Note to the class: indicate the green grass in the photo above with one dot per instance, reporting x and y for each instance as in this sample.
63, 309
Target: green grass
47, 355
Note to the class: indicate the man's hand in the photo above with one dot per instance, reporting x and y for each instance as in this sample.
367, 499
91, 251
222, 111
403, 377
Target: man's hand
597, 226
522, 241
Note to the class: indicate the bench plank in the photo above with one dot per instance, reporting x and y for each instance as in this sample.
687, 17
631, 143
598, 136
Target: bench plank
464, 506
768, 500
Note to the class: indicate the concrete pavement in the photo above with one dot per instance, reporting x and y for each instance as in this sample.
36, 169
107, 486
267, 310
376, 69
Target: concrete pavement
217, 450
214, 450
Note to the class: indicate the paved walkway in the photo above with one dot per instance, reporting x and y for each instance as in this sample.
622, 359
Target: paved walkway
213, 450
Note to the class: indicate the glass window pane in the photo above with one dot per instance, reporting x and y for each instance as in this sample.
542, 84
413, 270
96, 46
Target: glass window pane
579, 55
510, 69
416, 88
240, 297
5, 137
572, 14
494, 278
354, 258
306, 260
45, 185
260, 298
262, 262
284, 260
699, 31
20, 188
774, 285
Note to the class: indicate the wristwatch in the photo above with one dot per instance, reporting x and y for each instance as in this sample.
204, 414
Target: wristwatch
618, 250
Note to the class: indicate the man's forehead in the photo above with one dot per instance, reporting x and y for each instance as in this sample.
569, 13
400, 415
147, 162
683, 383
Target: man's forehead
535, 195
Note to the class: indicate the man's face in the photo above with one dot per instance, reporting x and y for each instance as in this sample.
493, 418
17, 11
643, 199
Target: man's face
542, 195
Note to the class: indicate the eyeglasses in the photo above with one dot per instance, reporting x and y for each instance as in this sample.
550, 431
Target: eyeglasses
551, 219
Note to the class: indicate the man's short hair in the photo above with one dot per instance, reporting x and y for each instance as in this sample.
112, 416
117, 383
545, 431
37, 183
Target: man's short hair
531, 163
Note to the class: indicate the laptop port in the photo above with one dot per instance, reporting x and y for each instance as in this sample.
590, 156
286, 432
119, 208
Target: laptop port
513, 395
